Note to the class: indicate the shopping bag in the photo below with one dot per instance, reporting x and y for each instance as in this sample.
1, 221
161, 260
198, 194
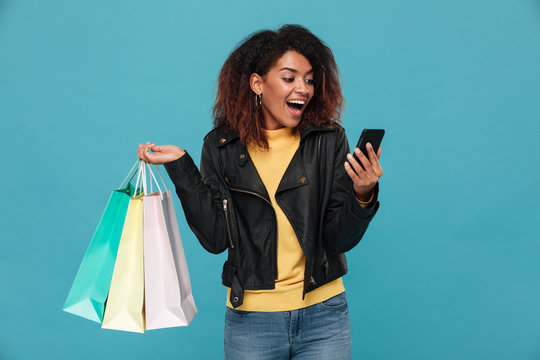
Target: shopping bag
188, 302
91, 285
124, 308
168, 298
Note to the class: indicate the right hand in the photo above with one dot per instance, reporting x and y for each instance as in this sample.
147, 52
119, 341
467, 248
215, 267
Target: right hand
160, 153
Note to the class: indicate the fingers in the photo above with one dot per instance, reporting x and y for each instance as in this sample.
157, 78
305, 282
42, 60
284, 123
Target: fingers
140, 152
374, 160
143, 152
351, 173
151, 157
371, 171
371, 152
160, 153
364, 179
354, 164
363, 159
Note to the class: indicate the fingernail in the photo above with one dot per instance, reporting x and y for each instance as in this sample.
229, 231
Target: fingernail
346, 164
369, 144
349, 156
357, 150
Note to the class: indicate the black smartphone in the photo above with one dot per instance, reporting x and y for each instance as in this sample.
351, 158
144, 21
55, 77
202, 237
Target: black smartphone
372, 136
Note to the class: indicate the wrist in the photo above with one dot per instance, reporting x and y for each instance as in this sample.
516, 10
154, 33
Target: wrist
364, 198
178, 154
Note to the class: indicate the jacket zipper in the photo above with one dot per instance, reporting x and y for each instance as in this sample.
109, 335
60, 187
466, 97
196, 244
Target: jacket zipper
227, 222
312, 280
252, 193
275, 223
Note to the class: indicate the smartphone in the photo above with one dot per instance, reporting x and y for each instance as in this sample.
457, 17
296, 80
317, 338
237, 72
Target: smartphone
372, 136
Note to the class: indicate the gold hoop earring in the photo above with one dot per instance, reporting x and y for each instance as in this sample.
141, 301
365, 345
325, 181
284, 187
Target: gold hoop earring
258, 100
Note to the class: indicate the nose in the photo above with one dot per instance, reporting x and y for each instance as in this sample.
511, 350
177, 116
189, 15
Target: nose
301, 87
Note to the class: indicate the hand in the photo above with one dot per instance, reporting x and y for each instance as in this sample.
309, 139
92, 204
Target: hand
160, 153
364, 179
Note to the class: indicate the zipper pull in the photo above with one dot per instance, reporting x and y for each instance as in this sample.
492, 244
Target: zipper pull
312, 281
227, 222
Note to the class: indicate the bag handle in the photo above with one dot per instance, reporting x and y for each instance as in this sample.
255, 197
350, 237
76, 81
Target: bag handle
139, 174
153, 177
143, 177
130, 173
161, 177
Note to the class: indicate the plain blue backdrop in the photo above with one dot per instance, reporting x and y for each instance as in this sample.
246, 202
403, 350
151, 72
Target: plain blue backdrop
449, 268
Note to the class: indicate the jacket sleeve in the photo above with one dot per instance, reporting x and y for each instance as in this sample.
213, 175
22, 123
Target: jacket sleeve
346, 220
200, 195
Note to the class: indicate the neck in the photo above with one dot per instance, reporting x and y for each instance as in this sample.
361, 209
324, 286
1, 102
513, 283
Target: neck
273, 127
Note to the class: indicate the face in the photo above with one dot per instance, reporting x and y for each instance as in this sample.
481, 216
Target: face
286, 90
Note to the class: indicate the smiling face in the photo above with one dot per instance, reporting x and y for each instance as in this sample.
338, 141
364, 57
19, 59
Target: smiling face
286, 90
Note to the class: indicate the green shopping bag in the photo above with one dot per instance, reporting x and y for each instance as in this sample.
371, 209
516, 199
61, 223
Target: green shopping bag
91, 285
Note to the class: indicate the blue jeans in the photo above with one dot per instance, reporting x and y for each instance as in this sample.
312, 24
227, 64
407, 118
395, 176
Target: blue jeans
320, 331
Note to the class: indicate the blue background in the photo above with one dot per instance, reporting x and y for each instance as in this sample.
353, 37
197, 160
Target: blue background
449, 268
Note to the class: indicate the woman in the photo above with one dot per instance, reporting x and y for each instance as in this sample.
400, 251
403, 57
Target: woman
279, 189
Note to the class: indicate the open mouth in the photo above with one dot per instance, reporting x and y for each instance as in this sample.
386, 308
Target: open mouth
296, 106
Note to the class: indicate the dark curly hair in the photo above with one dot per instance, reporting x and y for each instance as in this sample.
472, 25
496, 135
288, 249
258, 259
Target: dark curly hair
235, 109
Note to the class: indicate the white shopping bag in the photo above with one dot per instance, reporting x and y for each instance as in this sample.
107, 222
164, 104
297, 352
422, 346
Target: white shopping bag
168, 298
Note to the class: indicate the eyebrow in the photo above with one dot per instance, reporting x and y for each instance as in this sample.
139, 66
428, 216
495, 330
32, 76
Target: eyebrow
293, 70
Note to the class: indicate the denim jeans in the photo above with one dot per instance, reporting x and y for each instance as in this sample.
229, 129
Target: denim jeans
320, 331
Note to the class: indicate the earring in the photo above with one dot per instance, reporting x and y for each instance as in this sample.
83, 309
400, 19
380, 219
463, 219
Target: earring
258, 100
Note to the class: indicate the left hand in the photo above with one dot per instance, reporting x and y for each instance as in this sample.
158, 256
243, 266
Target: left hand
364, 180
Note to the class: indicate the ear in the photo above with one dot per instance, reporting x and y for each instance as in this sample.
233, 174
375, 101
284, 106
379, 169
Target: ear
256, 83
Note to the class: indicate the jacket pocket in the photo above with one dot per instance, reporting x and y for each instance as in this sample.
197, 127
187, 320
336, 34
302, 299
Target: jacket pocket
227, 221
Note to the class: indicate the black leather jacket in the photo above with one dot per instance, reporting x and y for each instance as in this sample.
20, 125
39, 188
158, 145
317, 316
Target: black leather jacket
227, 207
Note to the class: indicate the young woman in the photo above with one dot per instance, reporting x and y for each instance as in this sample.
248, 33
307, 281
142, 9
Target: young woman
279, 190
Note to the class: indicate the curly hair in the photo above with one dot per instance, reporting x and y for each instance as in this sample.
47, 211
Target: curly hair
235, 109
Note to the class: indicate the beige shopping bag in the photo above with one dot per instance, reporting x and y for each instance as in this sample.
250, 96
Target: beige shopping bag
124, 309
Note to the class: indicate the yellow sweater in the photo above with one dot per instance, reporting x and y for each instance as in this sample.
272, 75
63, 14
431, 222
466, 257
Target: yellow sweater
287, 295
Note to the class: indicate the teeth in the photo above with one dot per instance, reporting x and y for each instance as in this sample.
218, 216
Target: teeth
300, 102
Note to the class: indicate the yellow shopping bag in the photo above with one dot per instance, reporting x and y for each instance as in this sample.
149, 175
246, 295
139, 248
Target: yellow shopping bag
124, 309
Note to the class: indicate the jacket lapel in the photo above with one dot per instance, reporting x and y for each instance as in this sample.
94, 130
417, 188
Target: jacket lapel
295, 175
247, 178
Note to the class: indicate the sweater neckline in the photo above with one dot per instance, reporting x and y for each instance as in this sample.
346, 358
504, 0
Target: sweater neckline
281, 138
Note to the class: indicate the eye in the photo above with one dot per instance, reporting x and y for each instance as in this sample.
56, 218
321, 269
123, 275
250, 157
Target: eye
309, 81
288, 79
